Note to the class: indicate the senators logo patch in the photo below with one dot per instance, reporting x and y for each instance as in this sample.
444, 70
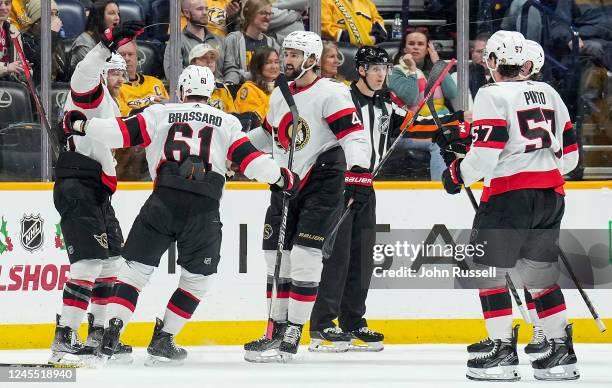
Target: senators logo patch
267, 231
282, 134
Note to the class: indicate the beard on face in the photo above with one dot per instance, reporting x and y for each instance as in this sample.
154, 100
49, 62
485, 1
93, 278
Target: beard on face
291, 72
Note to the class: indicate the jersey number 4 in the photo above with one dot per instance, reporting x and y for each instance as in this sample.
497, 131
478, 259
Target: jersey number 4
537, 124
174, 146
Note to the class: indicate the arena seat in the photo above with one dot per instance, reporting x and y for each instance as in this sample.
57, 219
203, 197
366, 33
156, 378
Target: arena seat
15, 106
130, 10
149, 58
72, 14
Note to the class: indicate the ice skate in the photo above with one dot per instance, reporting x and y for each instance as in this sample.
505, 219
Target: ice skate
67, 348
500, 364
110, 339
559, 362
480, 347
291, 341
264, 349
330, 340
538, 345
366, 340
163, 350
122, 354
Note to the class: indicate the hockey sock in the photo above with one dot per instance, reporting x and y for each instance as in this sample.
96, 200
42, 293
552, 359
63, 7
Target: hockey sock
281, 303
550, 305
497, 311
181, 307
122, 303
533, 313
302, 296
75, 301
102, 290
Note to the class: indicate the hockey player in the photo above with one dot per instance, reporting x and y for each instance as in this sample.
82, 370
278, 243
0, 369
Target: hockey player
85, 181
330, 138
538, 344
523, 144
187, 145
346, 274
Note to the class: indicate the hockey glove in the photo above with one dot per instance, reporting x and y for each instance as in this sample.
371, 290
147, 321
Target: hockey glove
358, 183
114, 37
453, 140
74, 123
451, 177
289, 183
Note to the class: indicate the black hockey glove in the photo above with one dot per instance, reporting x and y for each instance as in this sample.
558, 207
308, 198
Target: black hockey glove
74, 123
453, 140
114, 37
248, 120
289, 183
358, 183
451, 177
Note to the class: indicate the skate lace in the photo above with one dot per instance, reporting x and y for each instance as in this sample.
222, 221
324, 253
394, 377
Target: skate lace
538, 335
335, 330
484, 341
493, 351
292, 334
549, 351
366, 330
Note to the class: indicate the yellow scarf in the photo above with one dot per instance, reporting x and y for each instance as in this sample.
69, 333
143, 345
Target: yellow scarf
358, 34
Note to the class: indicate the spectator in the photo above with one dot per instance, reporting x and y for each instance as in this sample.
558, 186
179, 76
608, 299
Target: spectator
103, 15
31, 38
205, 55
87, 6
287, 16
240, 45
141, 90
514, 19
331, 61
413, 61
479, 73
18, 16
360, 25
10, 65
222, 15
254, 95
194, 33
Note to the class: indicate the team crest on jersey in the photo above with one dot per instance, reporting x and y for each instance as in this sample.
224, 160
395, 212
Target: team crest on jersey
282, 135
216, 104
217, 16
267, 231
383, 125
102, 240
244, 93
32, 235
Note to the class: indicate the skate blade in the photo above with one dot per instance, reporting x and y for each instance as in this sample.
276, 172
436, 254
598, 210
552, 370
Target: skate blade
158, 361
558, 373
262, 357
68, 359
286, 357
362, 346
498, 373
121, 359
322, 346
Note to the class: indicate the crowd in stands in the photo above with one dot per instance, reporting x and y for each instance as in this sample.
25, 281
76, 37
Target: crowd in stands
239, 40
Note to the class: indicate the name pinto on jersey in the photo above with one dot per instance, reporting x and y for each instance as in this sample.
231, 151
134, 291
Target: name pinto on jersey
534, 97
182, 117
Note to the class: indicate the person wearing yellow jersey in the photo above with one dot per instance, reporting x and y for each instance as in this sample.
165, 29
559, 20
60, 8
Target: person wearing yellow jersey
141, 90
19, 16
205, 55
254, 96
353, 21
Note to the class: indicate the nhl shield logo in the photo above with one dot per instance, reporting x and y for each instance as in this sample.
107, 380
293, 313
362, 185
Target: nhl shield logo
32, 235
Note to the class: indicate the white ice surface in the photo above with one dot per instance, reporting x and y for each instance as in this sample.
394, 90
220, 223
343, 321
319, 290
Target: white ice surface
396, 366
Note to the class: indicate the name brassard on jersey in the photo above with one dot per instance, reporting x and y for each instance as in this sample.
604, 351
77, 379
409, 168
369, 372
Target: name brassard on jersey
182, 117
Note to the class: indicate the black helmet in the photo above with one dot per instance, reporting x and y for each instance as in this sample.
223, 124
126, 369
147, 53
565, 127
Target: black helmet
371, 55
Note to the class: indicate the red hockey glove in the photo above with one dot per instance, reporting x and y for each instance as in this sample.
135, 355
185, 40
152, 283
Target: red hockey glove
451, 177
115, 37
289, 183
358, 183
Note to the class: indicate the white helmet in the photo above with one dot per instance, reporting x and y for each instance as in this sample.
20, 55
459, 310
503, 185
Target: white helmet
509, 47
535, 54
114, 62
308, 42
195, 81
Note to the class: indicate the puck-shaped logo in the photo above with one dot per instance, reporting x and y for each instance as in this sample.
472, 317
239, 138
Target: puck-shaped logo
283, 134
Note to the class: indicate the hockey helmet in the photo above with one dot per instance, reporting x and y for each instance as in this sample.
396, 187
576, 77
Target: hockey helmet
114, 62
509, 47
535, 54
309, 43
371, 55
195, 81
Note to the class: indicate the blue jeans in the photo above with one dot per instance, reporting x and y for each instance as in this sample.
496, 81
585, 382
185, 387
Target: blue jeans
436, 163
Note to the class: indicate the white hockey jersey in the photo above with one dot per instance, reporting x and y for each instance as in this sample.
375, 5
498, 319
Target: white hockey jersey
328, 118
172, 132
523, 138
91, 97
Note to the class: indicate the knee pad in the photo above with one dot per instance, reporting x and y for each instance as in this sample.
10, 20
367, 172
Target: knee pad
538, 275
135, 274
285, 269
87, 270
111, 267
195, 284
306, 264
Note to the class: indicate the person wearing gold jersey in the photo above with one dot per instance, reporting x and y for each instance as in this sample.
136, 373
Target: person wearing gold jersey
353, 21
254, 95
205, 55
141, 90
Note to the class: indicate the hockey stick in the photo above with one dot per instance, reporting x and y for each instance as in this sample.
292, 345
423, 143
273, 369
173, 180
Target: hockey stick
470, 194
281, 82
435, 79
53, 137
34, 365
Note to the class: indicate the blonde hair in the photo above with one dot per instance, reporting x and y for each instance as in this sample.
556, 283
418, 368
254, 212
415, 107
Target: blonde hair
250, 10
